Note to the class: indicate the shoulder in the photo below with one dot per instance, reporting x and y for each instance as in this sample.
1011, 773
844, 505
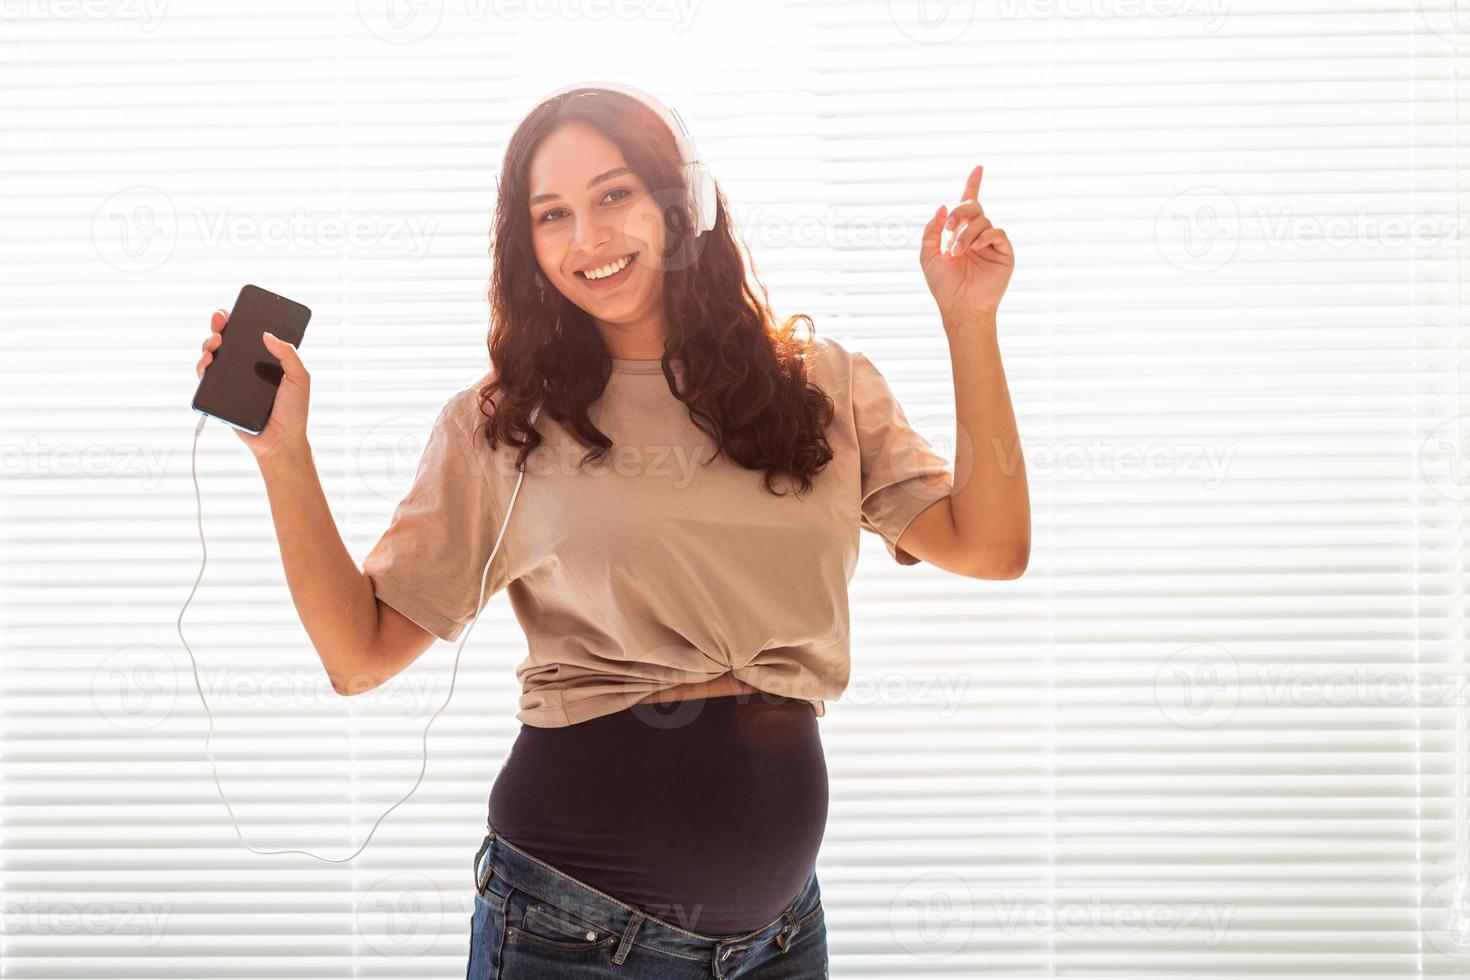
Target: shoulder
461, 426
841, 367
832, 359
462, 409
462, 405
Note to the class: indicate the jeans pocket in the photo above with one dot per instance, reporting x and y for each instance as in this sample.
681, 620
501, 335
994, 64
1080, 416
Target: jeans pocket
545, 926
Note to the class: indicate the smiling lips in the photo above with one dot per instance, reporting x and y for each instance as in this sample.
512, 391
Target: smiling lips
607, 274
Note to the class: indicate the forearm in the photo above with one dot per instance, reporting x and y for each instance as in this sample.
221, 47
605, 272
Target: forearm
333, 597
991, 503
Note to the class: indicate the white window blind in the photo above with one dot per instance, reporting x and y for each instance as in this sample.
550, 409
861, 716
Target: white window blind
1216, 730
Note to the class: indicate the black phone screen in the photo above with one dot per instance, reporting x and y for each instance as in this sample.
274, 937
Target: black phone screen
239, 386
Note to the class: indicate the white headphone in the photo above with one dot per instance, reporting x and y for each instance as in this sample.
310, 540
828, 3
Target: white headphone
454, 673
703, 208
703, 202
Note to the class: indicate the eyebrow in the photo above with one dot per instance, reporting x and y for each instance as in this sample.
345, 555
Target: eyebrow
605, 175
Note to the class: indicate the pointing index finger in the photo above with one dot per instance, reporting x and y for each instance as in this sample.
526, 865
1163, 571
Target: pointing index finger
972, 185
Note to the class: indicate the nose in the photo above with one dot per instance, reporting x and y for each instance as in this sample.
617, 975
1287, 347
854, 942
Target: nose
590, 236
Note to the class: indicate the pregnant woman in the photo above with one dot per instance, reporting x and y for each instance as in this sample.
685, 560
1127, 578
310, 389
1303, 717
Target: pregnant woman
678, 554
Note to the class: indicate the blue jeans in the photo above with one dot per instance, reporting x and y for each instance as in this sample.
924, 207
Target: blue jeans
532, 922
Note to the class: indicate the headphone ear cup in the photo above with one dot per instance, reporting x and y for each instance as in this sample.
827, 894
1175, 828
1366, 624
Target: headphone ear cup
702, 194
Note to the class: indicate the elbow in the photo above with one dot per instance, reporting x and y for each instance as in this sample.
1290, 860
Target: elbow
350, 685
1016, 567
1003, 563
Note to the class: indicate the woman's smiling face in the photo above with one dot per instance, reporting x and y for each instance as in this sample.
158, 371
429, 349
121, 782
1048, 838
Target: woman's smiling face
589, 211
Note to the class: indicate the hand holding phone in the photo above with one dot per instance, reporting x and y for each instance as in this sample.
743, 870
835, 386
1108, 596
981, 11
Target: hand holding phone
258, 384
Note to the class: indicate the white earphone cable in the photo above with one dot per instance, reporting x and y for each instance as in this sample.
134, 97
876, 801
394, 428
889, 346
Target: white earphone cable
454, 673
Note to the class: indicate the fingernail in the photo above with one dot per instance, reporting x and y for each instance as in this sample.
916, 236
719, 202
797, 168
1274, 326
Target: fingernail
267, 333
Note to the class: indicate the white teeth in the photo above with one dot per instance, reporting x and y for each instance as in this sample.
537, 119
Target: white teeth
610, 269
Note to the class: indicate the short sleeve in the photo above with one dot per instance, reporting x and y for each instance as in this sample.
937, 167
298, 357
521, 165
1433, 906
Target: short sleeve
902, 475
429, 562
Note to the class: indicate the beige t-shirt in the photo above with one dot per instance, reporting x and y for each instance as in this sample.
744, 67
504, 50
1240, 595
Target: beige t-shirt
655, 567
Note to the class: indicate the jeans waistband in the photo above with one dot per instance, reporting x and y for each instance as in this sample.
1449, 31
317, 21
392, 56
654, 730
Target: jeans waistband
501, 866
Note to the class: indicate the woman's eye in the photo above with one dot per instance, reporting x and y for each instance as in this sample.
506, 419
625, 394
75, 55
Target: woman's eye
616, 190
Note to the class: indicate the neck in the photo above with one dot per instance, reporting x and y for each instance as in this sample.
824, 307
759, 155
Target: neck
639, 340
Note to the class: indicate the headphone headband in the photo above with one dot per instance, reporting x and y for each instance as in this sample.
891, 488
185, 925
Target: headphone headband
703, 203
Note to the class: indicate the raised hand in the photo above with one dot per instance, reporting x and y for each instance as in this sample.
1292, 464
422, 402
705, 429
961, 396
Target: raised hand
286, 428
969, 275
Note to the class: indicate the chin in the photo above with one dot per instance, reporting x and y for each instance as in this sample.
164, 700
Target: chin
613, 309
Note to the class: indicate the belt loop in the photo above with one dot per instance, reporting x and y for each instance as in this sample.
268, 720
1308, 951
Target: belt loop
482, 880
783, 938
627, 943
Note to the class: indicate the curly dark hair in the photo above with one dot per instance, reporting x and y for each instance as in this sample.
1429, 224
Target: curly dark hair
745, 379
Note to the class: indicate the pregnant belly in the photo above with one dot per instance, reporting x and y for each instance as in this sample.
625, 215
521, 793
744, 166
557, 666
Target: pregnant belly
706, 815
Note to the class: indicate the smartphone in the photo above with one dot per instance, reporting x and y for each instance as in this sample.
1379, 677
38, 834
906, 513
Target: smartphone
239, 386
